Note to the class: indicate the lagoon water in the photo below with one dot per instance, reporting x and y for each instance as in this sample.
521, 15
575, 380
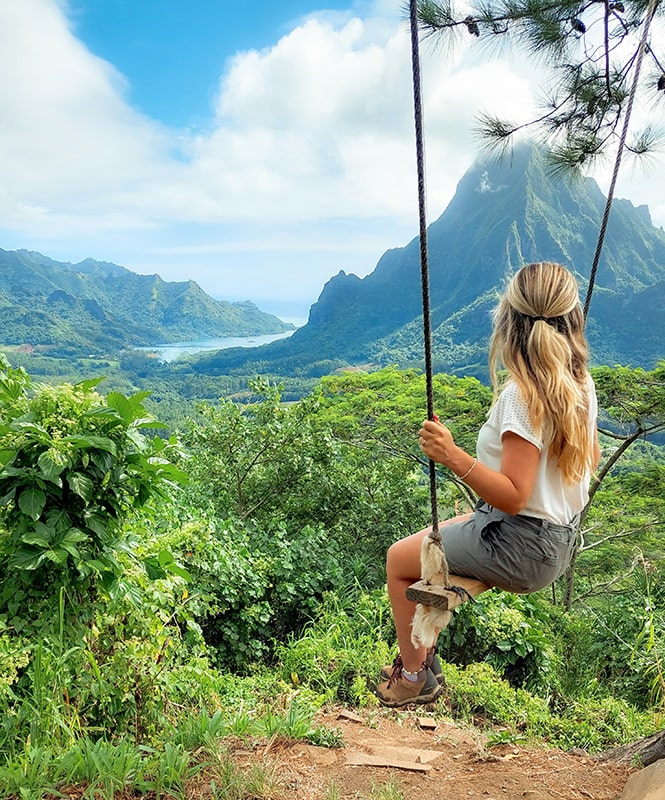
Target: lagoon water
169, 352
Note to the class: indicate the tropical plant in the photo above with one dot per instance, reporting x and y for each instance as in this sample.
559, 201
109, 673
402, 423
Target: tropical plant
73, 467
632, 409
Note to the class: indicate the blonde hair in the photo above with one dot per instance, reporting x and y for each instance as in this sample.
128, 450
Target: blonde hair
539, 338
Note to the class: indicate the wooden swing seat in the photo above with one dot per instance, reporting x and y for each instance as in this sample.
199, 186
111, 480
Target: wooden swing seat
429, 594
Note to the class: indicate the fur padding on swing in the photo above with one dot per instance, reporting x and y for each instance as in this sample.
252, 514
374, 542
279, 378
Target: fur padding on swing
437, 593
436, 603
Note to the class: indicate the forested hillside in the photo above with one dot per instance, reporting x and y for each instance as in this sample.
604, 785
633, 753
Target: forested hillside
504, 214
72, 322
99, 308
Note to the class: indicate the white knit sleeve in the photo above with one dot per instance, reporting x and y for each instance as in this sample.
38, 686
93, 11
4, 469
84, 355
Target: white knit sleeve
513, 415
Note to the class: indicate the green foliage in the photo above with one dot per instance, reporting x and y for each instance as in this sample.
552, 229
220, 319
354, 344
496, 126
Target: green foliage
476, 692
625, 506
387, 407
632, 397
251, 586
243, 453
625, 649
376, 417
14, 656
218, 609
510, 632
75, 312
291, 467
323, 736
595, 724
340, 653
73, 466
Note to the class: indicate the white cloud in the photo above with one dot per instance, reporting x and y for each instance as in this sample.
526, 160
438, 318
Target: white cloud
68, 139
308, 165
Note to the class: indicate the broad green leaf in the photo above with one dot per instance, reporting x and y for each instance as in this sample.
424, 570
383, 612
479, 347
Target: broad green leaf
88, 384
123, 406
169, 565
102, 460
103, 412
32, 431
31, 501
181, 572
149, 422
71, 549
57, 519
98, 566
81, 485
5, 498
154, 570
97, 523
138, 397
73, 536
36, 541
28, 558
50, 467
92, 441
6, 456
57, 555
165, 557
14, 472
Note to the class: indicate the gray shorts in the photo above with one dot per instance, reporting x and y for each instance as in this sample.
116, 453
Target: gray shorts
513, 552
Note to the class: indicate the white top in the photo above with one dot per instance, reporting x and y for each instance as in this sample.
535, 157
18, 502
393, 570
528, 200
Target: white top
552, 498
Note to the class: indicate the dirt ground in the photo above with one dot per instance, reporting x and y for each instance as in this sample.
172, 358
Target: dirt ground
446, 762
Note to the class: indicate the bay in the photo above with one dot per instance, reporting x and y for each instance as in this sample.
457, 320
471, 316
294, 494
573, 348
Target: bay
170, 351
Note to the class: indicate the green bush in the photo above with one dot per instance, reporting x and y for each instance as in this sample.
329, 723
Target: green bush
251, 587
510, 632
596, 724
340, 653
478, 694
73, 467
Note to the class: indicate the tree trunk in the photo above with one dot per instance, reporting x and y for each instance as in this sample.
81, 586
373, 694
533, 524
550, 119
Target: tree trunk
643, 751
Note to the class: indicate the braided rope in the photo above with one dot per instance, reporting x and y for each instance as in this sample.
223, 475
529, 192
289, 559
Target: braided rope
424, 269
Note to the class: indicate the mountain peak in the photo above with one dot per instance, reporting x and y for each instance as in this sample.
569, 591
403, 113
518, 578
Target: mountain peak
503, 214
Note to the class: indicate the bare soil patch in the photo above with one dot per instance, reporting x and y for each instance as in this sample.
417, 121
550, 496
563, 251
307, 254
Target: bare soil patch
448, 762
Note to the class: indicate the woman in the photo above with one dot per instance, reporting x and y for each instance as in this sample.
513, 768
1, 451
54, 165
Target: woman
535, 455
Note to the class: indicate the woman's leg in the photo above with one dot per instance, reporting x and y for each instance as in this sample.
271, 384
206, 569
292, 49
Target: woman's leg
403, 569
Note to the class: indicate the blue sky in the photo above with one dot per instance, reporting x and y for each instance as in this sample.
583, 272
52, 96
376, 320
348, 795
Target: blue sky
257, 156
173, 51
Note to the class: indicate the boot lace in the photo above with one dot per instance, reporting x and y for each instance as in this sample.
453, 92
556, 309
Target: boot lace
396, 674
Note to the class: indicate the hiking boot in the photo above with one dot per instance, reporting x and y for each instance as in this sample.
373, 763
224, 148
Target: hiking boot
431, 660
399, 691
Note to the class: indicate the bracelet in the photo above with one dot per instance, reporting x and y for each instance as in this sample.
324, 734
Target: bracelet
469, 471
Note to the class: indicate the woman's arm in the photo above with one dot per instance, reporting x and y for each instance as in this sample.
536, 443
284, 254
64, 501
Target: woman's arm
509, 489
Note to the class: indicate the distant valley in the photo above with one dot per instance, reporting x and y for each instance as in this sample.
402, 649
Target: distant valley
95, 307
502, 216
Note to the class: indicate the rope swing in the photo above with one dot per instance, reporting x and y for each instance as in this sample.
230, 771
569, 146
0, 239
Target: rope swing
435, 595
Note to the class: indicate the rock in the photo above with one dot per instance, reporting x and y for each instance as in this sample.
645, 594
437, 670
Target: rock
647, 784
